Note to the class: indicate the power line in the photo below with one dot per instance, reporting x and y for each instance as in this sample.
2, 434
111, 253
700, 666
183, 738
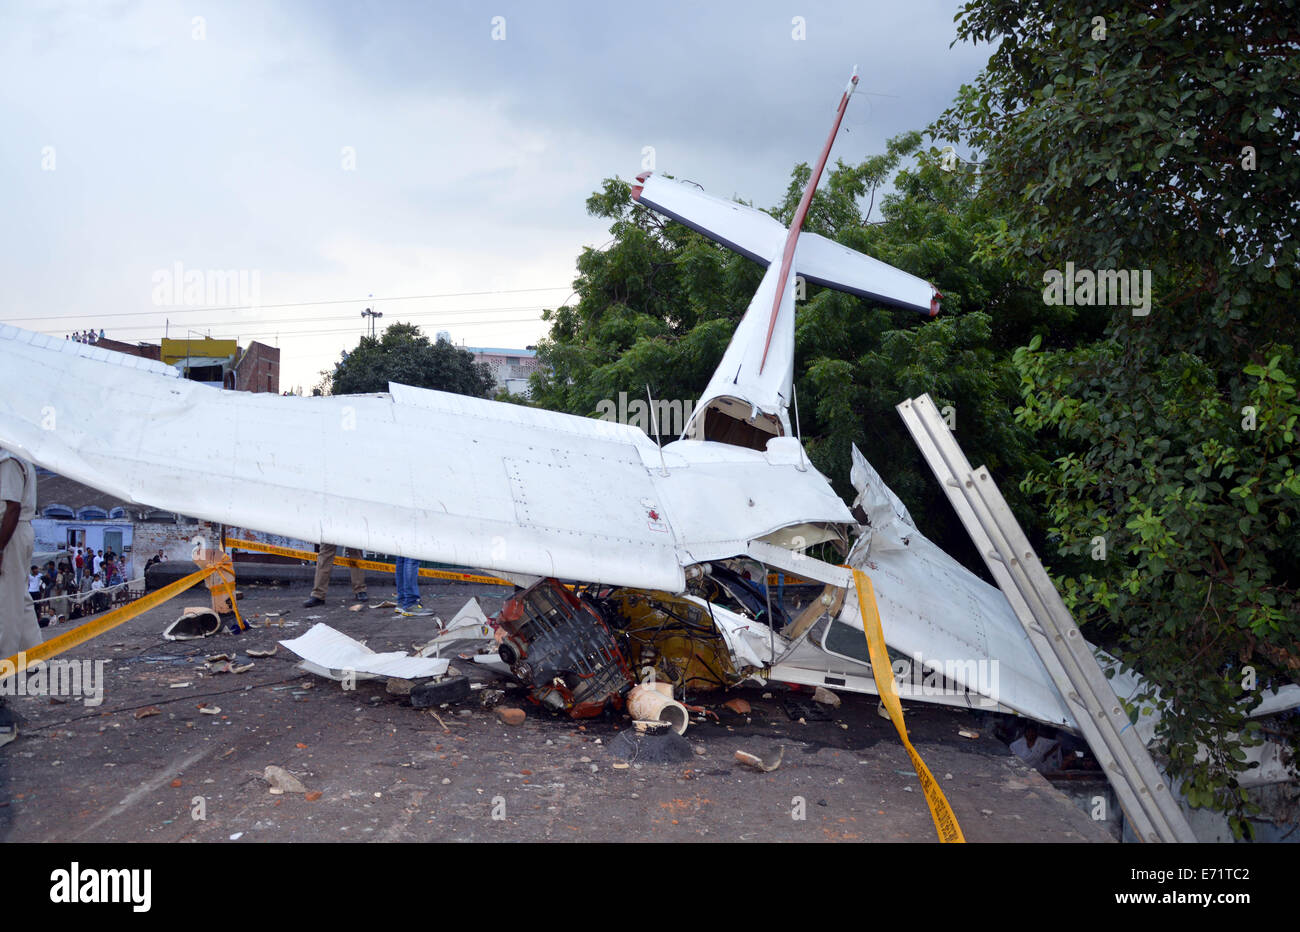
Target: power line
332, 318
279, 332
355, 329
258, 307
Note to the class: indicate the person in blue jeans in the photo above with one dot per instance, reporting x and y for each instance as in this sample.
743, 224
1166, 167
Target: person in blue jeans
408, 588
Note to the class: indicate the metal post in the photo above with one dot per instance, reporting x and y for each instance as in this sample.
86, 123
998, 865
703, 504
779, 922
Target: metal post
1152, 810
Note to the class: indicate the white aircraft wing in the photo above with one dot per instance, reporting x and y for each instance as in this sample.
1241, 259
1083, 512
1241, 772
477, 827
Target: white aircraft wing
424, 474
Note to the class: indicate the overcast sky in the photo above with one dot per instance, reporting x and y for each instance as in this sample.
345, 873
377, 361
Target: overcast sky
336, 151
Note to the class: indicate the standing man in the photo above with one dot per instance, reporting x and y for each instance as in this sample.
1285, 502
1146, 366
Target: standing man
408, 588
324, 566
18, 627
81, 565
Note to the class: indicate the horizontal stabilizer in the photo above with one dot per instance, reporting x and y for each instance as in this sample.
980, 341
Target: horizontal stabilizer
745, 230
824, 262
760, 237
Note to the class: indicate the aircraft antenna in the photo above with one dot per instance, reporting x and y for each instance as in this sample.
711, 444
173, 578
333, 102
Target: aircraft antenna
654, 424
798, 432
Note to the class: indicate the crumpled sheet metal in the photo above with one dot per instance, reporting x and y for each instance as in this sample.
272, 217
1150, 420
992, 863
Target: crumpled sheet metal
333, 654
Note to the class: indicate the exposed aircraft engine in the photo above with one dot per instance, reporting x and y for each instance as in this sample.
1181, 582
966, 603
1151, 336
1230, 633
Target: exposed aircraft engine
563, 650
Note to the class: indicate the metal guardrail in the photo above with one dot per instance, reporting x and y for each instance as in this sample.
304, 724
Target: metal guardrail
1152, 811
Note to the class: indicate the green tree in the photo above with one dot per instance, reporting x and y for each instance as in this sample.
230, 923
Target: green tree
1161, 139
403, 354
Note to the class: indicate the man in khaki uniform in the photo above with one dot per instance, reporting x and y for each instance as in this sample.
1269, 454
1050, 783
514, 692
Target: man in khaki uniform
325, 566
18, 627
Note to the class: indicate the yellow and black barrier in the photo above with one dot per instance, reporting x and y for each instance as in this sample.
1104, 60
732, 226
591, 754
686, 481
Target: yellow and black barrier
216, 569
235, 543
945, 821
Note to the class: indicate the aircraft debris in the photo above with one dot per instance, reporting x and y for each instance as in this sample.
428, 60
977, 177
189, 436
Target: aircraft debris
336, 656
653, 728
440, 691
440, 721
193, 623
262, 652
766, 763
654, 702
805, 711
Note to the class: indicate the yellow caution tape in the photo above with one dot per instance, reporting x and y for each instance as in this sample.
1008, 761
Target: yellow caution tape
221, 583
107, 622
945, 822
234, 543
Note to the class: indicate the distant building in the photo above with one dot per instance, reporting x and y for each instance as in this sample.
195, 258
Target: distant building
258, 369
219, 363
144, 350
510, 368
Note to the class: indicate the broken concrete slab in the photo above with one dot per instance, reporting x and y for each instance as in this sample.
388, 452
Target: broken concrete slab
509, 715
825, 697
281, 781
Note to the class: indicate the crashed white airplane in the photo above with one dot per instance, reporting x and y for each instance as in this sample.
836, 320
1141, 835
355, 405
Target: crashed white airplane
668, 548
651, 533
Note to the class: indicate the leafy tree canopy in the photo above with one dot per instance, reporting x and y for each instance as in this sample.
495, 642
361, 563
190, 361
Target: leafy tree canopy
1161, 138
404, 354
